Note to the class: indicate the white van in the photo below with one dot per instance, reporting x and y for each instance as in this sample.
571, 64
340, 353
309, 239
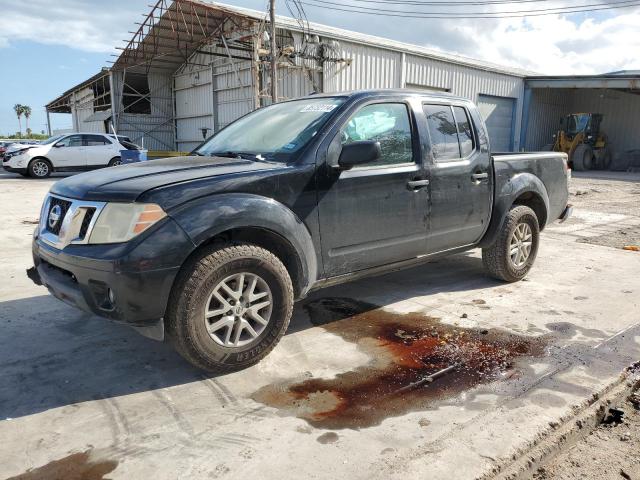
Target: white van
64, 153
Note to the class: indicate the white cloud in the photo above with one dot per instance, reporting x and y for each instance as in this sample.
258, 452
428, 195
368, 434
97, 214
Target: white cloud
589, 43
93, 26
557, 45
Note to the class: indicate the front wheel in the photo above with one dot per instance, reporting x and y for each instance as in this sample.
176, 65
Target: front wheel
39, 168
114, 162
229, 308
512, 255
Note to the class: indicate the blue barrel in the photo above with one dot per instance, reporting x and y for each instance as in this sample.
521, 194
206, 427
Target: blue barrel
133, 156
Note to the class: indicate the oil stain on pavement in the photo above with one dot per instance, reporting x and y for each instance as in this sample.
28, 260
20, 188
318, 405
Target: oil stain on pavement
415, 361
77, 466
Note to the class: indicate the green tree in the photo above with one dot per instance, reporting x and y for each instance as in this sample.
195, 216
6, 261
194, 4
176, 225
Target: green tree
19, 111
26, 111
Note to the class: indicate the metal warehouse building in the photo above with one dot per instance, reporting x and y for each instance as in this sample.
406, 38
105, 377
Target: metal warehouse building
193, 67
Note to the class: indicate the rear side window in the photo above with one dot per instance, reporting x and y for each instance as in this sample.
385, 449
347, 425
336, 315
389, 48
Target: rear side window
387, 123
443, 132
95, 140
465, 136
450, 131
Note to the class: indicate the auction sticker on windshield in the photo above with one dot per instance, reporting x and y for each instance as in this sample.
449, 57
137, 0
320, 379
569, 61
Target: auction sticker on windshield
322, 107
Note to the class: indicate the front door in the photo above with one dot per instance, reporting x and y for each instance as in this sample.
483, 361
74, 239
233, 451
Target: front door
461, 177
68, 153
373, 214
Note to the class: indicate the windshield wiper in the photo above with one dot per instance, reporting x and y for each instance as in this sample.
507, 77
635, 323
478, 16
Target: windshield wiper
242, 155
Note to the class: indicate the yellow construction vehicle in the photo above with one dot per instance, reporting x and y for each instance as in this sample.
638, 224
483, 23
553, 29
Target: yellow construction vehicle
580, 138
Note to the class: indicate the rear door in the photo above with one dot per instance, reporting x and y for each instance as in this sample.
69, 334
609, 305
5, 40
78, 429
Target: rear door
98, 150
461, 177
68, 153
373, 214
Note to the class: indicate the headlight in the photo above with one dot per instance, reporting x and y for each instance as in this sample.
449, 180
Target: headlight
16, 153
120, 222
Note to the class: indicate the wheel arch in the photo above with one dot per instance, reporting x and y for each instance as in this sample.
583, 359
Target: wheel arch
253, 219
522, 189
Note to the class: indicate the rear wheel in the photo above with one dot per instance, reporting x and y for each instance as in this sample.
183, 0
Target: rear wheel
229, 308
582, 158
512, 255
40, 168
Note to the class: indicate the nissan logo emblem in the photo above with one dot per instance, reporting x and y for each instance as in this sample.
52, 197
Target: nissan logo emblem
54, 216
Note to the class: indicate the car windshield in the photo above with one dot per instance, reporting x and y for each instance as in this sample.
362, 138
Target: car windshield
51, 139
275, 132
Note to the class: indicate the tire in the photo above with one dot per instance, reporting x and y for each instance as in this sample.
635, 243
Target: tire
194, 294
607, 158
114, 162
40, 168
582, 158
498, 260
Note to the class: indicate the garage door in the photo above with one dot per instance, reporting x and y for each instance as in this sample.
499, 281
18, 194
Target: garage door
498, 115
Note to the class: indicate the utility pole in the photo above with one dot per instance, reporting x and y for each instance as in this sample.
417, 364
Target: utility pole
274, 51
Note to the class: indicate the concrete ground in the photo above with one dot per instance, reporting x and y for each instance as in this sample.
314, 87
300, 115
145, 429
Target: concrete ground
81, 397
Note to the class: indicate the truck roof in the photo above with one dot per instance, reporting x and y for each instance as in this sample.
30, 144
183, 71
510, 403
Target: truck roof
391, 91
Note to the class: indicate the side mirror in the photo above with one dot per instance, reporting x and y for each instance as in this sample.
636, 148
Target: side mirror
58, 145
359, 153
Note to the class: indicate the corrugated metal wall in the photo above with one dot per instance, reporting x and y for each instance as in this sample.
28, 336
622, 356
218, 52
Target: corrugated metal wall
621, 114
194, 107
547, 107
81, 109
466, 82
373, 67
155, 130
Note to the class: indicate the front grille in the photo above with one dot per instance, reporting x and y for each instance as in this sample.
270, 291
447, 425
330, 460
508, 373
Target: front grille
64, 206
86, 221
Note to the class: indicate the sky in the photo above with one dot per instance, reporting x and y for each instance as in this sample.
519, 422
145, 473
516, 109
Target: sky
47, 47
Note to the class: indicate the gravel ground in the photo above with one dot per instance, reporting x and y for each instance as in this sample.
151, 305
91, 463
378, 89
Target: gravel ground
611, 452
604, 192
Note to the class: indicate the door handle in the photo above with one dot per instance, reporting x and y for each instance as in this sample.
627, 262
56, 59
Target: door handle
416, 184
480, 176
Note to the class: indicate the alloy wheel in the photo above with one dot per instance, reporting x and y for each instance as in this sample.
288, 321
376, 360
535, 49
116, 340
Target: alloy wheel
238, 309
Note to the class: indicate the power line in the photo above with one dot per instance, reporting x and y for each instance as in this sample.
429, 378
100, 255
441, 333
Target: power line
471, 15
449, 3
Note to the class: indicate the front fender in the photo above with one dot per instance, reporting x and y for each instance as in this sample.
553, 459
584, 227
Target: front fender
509, 191
209, 216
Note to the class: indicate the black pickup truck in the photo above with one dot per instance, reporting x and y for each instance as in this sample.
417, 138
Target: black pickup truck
211, 250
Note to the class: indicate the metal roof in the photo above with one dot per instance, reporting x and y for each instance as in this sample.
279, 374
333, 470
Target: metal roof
61, 103
618, 80
173, 31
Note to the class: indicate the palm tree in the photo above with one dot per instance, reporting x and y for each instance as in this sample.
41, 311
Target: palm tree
19, 111
26, 111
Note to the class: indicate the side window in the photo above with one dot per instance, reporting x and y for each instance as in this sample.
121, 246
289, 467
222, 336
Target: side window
95, 140
465, 135
443, 132
387, 123
71, 141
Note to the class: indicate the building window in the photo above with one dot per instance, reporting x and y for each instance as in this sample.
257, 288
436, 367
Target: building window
135, 95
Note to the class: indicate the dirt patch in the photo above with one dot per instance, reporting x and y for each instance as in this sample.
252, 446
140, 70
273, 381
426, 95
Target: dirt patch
611, 452
616, 239
77, 466
415, 361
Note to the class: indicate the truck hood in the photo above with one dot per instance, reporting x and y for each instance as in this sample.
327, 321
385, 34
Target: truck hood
126, 183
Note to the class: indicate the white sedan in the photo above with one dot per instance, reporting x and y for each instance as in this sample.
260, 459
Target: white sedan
64, 153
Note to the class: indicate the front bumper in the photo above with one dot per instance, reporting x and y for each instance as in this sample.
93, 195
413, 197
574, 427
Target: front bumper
11, 169
129, 282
